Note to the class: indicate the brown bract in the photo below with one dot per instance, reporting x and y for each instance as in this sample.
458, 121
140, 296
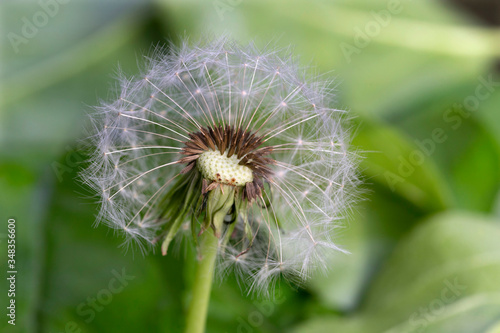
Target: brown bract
236, 141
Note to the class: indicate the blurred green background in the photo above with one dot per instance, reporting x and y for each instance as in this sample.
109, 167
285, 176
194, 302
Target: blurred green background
420, 78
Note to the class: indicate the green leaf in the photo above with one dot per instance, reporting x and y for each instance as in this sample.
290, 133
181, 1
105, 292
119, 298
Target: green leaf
370, 236
453, 136
79, 277
442, 278
387, 68
489, 114
81, 46
390, 161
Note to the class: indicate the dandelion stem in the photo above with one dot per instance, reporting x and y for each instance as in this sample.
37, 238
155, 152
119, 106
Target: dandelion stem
197, 312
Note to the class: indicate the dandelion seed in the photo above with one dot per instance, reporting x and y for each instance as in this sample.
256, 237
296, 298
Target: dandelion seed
231, 140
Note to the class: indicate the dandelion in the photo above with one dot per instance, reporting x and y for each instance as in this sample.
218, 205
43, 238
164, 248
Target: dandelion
233, 147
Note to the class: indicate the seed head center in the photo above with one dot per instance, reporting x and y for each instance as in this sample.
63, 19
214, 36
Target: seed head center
218, 167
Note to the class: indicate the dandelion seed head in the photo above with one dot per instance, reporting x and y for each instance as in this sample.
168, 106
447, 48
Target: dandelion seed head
247, 126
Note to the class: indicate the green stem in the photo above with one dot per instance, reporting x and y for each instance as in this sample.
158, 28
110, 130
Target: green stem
197, 312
